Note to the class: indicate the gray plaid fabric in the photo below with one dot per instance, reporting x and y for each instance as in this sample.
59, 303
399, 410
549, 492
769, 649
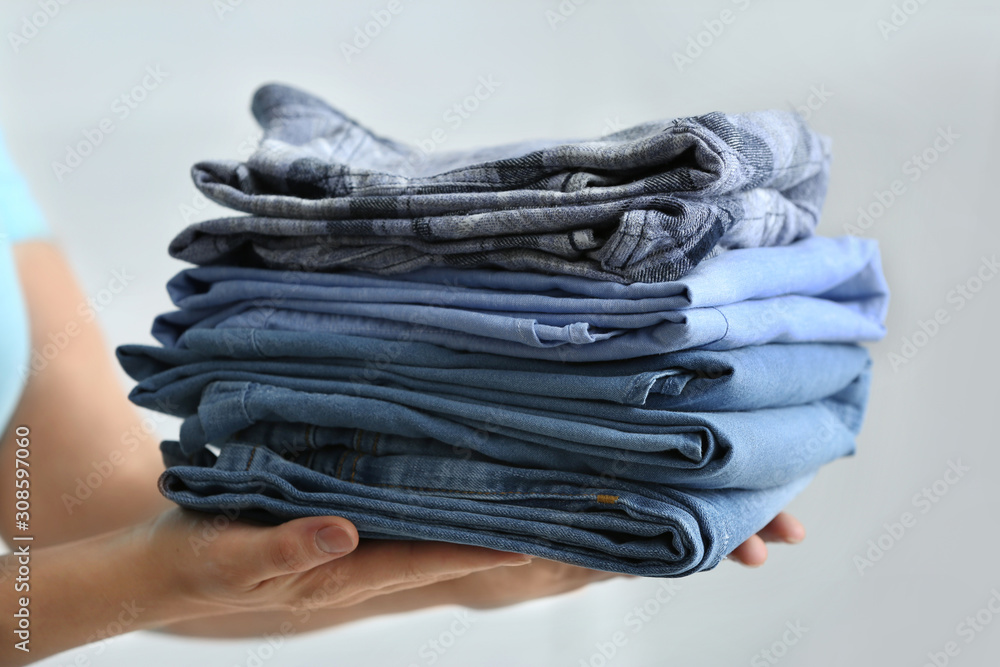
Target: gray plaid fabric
644, 204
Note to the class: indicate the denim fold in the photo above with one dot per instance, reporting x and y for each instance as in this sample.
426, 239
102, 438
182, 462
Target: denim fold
818, 290
745, 449
626, 353
599, 523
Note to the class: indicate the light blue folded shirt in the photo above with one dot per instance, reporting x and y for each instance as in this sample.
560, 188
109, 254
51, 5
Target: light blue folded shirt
817, 290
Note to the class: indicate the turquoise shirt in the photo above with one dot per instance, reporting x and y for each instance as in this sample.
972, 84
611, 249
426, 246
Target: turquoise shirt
20, 220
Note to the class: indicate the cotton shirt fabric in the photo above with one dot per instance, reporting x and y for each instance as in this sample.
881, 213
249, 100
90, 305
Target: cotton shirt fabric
816, 290
644, 204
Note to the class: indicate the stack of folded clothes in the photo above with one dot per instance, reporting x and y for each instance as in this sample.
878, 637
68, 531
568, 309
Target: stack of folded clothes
627, 353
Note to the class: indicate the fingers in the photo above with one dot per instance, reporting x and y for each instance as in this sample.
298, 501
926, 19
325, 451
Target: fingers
389, 563
569, 577
382, 566
783, 528
299, 545
752, 553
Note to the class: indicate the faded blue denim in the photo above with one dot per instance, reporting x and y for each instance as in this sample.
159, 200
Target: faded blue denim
599, 523
749, 378
818, 290
745, 449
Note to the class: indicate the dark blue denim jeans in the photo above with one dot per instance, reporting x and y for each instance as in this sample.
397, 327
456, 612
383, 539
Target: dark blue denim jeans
603, 523
746, 449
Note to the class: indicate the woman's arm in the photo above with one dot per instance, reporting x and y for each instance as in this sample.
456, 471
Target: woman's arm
80, 592
94, 460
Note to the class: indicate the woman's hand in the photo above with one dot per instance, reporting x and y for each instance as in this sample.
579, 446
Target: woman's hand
251, 567
488, 588
544, 578
782, 528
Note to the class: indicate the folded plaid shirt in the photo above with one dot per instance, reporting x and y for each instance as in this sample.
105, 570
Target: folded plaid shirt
644, 204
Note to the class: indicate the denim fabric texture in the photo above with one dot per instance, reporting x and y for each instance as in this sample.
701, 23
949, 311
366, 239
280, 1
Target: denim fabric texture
817, 290
747, 448
592, 521
626, 353
748, 378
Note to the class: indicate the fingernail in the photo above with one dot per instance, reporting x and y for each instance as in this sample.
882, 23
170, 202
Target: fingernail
795, 537
334, 540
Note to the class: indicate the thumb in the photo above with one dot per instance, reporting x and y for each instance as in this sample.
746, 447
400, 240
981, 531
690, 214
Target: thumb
300, 545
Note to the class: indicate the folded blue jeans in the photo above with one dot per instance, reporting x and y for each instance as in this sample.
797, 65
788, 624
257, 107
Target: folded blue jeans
744, 449
749, 378
599, 523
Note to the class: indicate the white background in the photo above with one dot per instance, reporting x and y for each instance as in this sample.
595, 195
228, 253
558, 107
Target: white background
888, 95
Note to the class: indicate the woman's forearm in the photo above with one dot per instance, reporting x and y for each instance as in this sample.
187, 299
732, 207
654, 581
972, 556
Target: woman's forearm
94, 458
65, 596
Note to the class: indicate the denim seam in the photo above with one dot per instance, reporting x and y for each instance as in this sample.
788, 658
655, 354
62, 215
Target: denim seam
488, 493
340, 464
242, 401
640, 386
254, 346
253, 453
724, 334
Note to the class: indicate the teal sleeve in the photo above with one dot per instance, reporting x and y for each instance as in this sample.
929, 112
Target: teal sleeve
20, 217
20, 220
